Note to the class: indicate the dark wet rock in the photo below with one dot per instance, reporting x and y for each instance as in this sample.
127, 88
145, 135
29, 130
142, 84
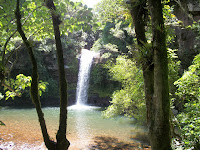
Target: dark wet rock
99, 101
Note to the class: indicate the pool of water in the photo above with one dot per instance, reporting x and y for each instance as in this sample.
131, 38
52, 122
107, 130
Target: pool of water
84, 124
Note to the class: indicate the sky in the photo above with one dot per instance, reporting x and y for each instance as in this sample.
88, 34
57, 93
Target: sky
91, 3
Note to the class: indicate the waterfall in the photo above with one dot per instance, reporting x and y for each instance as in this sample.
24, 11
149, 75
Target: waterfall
84, 76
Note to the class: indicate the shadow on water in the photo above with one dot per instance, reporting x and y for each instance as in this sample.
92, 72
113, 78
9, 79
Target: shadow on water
105, 143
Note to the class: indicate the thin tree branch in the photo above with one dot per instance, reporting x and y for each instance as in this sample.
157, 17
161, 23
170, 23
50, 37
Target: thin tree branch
11, 89
181, 6
13, 51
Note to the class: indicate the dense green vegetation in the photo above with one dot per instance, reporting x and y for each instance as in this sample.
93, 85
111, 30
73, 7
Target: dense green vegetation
139, 50
188, 90
129, 100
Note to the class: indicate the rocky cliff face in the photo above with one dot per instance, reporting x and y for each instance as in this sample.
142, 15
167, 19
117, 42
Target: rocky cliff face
187, 11
48, 72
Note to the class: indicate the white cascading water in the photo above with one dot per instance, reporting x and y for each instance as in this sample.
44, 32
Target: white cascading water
84, 76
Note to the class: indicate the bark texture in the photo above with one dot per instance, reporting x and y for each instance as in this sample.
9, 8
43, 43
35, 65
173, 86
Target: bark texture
160, 138
138, 14
34, 84
155, 73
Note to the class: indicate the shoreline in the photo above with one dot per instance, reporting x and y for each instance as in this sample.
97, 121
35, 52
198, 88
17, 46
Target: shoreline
86, 130
99, 142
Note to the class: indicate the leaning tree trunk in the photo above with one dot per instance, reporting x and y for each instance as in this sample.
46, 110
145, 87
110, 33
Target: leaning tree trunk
62, 142
160, 130
34, 84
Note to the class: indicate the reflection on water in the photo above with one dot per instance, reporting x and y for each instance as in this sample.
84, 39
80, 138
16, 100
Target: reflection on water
80, 119
83, 126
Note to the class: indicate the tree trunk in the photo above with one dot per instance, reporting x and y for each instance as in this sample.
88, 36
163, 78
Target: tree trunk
160, 126
138, 13
34, 84
155, 75
62, 142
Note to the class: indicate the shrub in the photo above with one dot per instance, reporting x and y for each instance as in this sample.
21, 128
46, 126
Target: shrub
189, 92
